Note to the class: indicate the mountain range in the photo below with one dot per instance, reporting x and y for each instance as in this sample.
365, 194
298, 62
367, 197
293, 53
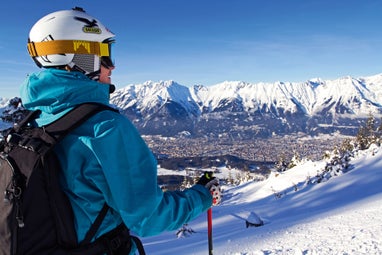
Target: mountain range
239, 109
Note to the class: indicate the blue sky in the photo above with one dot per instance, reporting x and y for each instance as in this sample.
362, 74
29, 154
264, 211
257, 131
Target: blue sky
210, 41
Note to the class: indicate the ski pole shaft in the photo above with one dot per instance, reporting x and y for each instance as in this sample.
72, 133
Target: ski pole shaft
209, 219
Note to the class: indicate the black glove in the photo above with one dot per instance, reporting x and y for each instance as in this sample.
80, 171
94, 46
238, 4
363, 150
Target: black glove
212, 183
206, 178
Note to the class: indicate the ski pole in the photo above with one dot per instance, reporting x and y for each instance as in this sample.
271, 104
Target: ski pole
209, 219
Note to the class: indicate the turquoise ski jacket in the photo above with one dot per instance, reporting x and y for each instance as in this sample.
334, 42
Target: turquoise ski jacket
106, 160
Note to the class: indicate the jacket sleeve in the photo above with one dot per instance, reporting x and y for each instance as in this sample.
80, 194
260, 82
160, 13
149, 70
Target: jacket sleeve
131, 188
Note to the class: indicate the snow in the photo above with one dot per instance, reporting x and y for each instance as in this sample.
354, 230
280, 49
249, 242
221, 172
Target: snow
339, 216
3, 106
362, 95
152, 93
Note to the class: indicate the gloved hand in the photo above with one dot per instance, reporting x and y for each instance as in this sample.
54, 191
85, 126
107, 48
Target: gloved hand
212, 183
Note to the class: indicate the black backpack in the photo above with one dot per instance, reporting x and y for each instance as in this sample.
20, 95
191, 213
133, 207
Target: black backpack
36, 216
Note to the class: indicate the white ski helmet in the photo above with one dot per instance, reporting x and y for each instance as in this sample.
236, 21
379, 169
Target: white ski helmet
71, 38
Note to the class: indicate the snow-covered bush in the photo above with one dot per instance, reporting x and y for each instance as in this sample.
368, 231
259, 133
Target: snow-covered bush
184, 231
337, 164
283, 164
368, 134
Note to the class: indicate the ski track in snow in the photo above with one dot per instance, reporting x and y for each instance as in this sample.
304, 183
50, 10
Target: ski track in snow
348, 232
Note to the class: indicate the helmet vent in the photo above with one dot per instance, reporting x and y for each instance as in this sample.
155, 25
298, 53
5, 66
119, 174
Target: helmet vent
85, 62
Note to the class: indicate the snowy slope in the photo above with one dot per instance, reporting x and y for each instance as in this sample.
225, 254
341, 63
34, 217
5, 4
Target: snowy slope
340, 216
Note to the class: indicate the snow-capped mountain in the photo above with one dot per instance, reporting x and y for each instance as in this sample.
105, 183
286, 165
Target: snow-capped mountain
11, 111
247, 109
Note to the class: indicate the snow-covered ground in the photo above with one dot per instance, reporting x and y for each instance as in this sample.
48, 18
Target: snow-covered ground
339, 216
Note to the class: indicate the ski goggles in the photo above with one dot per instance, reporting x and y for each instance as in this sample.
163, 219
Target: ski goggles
108, 61
103, 50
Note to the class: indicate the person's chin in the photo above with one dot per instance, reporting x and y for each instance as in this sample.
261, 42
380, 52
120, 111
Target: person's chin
105, 80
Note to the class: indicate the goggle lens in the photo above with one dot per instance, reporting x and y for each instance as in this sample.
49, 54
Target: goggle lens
107, 61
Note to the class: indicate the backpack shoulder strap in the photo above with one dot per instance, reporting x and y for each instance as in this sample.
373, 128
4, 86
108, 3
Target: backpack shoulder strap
63, 126
74, 118
31, 115
95, 226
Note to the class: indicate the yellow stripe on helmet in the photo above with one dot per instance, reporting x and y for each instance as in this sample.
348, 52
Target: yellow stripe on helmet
45, 48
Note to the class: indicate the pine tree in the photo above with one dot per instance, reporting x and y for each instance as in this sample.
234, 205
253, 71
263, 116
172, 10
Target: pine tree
247, 175
295, 160
366, 134
195, 179
346, 146
281, 164
230, 178
238, 178
185, 184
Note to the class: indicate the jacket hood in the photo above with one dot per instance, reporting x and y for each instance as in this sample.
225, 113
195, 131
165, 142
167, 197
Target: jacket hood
55, 91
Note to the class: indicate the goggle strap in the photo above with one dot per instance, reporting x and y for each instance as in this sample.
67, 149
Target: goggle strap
37, 49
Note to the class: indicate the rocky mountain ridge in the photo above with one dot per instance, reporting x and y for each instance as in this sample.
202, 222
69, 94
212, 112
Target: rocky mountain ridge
243, 110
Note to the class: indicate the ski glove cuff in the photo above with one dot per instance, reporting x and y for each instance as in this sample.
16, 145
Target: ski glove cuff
212, 184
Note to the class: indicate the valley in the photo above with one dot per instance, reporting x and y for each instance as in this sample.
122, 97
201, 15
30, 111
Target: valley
258, 152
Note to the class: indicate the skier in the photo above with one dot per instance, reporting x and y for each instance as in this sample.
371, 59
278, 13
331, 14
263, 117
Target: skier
105, 160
